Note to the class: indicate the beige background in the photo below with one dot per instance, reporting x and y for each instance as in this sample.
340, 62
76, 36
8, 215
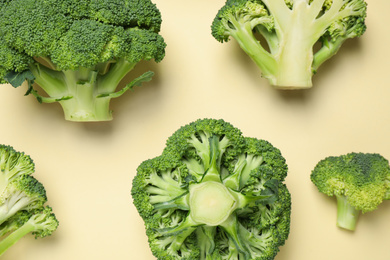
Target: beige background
87, 168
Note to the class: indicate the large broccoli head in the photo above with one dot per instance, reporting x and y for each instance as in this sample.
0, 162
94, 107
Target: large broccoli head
359, 181
214, 194
77, 51
296, 37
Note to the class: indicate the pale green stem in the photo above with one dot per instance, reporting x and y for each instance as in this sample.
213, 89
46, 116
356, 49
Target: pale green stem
250, 45
347, 215
109, 81
15, 236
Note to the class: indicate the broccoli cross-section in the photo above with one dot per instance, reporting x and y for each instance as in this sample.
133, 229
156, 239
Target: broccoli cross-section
214, 194
78, 52
296, 36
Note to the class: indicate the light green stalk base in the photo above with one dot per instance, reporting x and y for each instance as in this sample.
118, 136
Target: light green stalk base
84, 94
85, 104
211, 203
347, 215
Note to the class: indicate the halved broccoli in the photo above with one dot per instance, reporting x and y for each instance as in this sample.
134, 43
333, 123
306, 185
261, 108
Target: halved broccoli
288, 54
359, 181
78, 51
22, 200
214, 194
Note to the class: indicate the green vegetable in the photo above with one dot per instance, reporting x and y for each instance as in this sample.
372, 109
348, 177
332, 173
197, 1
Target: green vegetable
297, 36
359, 181
22, 200
78, 51
214, 194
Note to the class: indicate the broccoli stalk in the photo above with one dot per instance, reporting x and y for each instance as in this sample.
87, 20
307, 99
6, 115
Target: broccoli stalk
347, 215
359, 181
78, 52
213, 194
85, 94
290, 30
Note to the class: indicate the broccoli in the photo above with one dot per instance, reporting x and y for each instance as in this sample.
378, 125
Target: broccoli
290, 39
214, 194
78, 51
22, 200
359, 181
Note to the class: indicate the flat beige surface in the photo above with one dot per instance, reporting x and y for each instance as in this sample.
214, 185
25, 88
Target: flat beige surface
87, 168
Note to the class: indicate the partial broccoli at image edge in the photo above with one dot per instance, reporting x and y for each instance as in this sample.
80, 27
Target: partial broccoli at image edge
297, 36
78, 52
22, 200
214, 194
359, 181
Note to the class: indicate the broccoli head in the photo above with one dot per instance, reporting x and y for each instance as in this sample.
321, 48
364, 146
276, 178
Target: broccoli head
359, 181
78, 52
287, 52
214, 194
22, 200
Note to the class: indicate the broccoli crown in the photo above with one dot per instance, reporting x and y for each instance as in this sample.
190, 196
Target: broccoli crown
78, 51
214, 194
22, 200
283, 24
79, 33
362, 178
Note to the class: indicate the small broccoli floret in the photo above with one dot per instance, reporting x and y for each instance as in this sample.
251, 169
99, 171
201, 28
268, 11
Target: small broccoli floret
24, 193
22, 200
359, 181
214, 194
13, 164
78, 52
290, 30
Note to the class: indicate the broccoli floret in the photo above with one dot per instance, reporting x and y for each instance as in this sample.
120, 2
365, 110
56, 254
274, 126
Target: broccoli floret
359, 181
296, 36
22, 200
214, 194
24, 193
78, 52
